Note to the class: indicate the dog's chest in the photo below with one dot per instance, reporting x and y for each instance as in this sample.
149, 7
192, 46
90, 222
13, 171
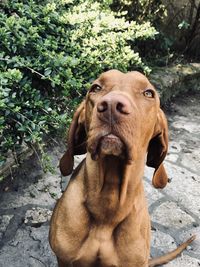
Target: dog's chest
98, 249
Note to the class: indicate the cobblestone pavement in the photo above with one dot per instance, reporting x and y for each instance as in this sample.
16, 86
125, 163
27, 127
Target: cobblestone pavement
26, 202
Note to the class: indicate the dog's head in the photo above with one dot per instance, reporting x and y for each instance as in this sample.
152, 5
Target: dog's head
120, 117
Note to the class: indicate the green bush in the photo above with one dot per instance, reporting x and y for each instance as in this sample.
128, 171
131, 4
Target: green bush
158, 51
49, 53
141, 10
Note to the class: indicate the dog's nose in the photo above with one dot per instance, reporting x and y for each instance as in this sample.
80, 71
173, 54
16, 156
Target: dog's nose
114, 104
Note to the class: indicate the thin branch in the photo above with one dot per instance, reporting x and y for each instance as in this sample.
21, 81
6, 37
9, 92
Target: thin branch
34, 71
192, 31
36, 153
31, 69
175, 16
11, 173
192, 2
4, 59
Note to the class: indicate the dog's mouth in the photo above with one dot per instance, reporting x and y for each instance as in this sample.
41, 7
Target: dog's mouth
108, 145
111, 145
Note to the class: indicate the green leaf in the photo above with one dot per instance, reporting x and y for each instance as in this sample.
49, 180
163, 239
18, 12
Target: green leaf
47, 71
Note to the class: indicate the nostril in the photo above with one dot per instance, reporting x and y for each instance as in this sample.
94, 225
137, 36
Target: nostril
120, 107
102, 107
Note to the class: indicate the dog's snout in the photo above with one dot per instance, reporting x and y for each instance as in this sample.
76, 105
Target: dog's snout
114, 104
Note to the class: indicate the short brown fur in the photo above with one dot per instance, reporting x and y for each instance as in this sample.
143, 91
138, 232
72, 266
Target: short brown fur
102, 219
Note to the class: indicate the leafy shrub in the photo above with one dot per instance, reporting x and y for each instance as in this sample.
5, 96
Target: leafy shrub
158, 51
50, 52
141, 10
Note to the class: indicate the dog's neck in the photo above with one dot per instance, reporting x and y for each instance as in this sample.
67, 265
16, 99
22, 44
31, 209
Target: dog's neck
113, 188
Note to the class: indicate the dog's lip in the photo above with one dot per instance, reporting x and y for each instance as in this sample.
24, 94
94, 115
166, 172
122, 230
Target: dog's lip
111, 137
110, 144
107, 139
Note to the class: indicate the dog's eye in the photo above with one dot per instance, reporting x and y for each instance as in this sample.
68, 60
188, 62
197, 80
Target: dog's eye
95, 88
149, 93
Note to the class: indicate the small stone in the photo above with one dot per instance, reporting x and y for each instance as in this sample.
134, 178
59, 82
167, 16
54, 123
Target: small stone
172, 157
163, 241
169, 214
169, 180
4, 222
37, 216
183, 261
32, 195
195, 245
151, 193
183, 188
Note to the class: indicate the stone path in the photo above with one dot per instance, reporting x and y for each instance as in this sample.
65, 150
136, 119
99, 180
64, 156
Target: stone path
26, 202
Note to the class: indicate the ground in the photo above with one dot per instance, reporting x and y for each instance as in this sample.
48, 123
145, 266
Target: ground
27, 200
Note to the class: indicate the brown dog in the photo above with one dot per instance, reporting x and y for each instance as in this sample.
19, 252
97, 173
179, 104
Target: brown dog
102, 218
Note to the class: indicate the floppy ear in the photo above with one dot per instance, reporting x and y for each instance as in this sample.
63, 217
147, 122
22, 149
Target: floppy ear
157, 151
76, 141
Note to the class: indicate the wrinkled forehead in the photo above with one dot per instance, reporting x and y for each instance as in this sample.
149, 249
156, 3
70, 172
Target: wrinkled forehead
114, 78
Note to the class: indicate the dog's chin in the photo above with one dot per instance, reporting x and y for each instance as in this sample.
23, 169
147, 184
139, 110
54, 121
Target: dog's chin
109, 145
